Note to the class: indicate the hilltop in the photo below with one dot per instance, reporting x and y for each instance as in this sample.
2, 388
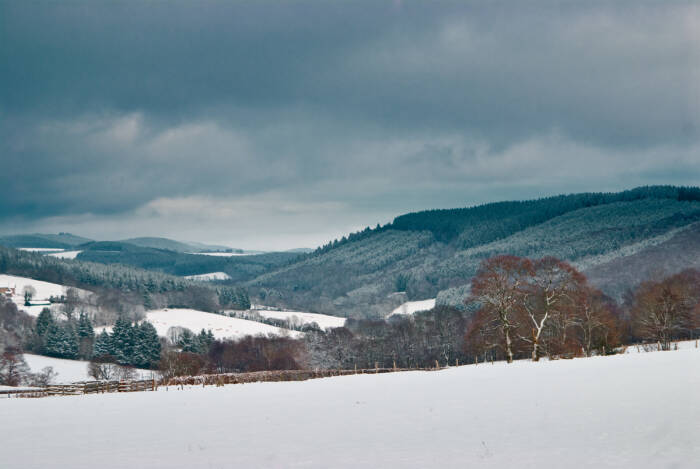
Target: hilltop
435, 253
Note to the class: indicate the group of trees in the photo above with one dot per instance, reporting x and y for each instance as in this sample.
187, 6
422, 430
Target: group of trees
161, 289
538, 307
242, 355
530, 308
71, 338
129, 344
14, 370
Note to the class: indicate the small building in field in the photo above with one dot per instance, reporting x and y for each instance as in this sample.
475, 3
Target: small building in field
7, 292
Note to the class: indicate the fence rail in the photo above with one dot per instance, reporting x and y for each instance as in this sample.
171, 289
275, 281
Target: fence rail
99, 387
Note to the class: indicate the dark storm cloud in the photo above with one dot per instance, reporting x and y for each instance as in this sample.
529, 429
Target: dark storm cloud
117, 109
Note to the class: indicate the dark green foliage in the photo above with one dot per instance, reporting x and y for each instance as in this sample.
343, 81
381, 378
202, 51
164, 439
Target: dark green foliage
146, 346
62, 341
91, 276
441, 249
44, 321
173, 262
47, 241
86, 337
103, 345
123, 338
402, 282
130, 344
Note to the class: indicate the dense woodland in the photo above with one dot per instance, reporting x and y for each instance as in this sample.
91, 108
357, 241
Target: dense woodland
121, 285
420, 255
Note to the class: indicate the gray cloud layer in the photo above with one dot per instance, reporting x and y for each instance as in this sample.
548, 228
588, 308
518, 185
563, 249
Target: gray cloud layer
275, 124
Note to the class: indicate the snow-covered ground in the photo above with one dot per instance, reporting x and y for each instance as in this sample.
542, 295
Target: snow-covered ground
44, 290
65, 254
298, 317
210, 276
411, 307
625, 411
69, 371
223, 327
40, 249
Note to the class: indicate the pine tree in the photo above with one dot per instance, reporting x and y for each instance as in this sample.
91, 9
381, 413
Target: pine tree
44, 322
103, 345
85, 329
86, 336
147, 345
123, 341
62, 341
188, 341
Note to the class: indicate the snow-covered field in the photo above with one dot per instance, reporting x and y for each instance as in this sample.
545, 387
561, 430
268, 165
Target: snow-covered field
69, 371
411, 307
626, 411
210, 276
65, 254
44, 290
297, 317
223, 327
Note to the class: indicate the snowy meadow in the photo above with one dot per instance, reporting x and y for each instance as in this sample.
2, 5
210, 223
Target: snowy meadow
634, 410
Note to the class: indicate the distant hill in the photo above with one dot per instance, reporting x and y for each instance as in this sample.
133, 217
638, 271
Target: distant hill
435, 253
177, 246
46, 241
168, 261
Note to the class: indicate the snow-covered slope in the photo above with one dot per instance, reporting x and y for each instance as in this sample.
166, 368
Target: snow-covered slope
69, 371
65, 254
298, 318
44, 290
223, 327
627, 411
411, 307
210, 276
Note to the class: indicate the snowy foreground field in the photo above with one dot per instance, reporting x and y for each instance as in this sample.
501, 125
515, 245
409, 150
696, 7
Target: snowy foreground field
639, 410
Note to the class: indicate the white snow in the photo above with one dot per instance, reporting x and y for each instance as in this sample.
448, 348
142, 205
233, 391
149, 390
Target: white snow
65, 254
69, 371
411, 307
324, 321
40, 249
210, 276
223, 327
44, 290
625, 411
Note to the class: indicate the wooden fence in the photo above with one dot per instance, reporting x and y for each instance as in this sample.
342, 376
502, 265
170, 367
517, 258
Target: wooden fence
98, 387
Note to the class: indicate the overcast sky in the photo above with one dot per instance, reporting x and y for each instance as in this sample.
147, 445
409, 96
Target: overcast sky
281, 124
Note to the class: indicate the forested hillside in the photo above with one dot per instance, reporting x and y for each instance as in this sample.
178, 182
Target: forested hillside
239, 268
435, 253
47, 241
148, 288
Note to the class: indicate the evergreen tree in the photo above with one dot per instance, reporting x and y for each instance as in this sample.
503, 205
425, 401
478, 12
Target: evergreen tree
86, 336
85, 329
188, 341
44, 322
147, 345
62, 341
123, 341
103, 345
204, 341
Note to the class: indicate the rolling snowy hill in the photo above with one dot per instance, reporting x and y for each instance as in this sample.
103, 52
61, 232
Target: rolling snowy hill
223, 327
625, 411
69, 371
44, 290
